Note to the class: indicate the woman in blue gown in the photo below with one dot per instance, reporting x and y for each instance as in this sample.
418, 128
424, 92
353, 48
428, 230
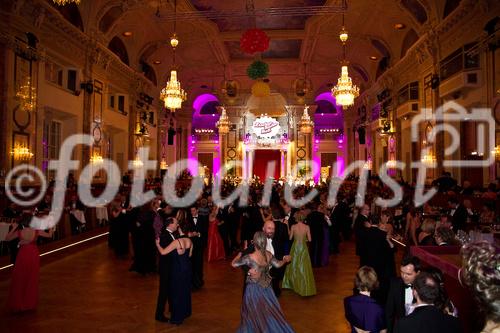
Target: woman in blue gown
179, 289
260, 311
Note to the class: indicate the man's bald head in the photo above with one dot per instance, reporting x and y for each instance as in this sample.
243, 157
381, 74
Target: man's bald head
269, 228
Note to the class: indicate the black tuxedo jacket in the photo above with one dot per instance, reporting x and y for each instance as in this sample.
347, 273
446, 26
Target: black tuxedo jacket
459, 219
165, 240
202, 227
428, 319
374, 250
359, 226
395, 306
279, 240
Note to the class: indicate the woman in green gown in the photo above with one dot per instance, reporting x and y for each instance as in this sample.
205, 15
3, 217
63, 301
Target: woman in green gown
298, 274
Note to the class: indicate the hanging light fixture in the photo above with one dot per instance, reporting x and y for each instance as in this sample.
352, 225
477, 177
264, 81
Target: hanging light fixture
343, 35
223, 124
27, 95
306, 124
173, 95
22, 152
345, 91
65, 2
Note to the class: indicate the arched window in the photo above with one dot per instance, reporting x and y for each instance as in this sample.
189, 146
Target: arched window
416, 10
149, 72
72, 14
410, 39
109, 18
117, 47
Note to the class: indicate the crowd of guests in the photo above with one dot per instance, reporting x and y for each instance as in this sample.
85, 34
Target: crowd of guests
278, 246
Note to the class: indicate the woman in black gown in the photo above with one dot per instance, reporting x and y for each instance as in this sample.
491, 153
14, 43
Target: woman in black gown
179, 293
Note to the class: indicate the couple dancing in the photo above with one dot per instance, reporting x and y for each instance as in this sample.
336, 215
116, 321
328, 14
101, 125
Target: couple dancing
260, 311
175, 273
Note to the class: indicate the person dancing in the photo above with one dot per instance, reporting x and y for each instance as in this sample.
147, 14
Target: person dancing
23, 293
299, 275
260, 311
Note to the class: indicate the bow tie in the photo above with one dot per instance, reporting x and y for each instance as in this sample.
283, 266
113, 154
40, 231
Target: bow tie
408, 286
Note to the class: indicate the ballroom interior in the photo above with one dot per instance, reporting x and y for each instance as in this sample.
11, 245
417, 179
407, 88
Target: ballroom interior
313, 86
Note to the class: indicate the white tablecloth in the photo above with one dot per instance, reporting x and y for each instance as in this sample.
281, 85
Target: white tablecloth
101, 213
79, 215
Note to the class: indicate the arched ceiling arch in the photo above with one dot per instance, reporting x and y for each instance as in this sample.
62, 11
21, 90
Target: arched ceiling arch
207, 45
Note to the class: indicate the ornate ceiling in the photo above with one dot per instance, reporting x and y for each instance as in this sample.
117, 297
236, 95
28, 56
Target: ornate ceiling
209, 33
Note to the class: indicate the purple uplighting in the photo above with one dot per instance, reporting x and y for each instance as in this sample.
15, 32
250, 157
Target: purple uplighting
204, 120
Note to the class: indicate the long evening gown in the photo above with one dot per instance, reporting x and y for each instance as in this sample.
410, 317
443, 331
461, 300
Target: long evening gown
298, 274
215, 242
260, 310
23, 293
179, 294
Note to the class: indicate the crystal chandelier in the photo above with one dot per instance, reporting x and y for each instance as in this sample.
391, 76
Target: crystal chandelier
223, 124
96, 159
27, 96
173, 95
345, 91
306, 124
22, 153
65, 2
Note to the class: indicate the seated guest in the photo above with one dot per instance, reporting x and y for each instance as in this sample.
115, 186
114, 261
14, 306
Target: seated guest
444, 236
443, 302
362, 311
491, 193
445, 221
467, 188
487, 213
426, 317
426, 236
459, 214
400, 296
481, 273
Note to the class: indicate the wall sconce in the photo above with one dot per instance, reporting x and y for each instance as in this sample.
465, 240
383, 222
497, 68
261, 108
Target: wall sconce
96, 159
22, 153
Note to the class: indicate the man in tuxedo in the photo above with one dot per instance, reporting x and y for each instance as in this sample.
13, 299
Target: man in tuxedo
166, 237
377, 252
459, 214
198, 233
359, 228
400, 297
426, 317
275, 246
289, 212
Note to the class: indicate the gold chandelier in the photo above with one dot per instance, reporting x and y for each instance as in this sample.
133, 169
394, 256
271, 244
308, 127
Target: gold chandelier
173, 95
306, 124
22, 153
345, 91
223, 124
27, 95
65, 2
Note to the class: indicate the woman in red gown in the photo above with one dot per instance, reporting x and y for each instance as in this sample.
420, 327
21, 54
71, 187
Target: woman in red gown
215, 243
23, 293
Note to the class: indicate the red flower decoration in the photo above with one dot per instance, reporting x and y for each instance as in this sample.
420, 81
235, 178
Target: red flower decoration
254, 40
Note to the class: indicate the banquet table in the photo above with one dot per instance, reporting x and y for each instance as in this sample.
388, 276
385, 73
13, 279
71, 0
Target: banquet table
449, 261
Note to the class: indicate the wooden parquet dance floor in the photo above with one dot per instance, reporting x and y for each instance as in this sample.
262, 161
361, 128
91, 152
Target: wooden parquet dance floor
93, 291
